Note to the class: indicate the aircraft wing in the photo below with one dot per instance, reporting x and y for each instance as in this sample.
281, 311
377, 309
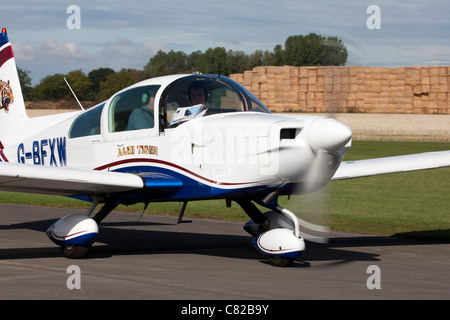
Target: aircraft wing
65, 181
372, 167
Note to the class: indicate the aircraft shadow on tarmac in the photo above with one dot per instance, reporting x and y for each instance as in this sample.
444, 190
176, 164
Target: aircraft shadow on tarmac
120, 238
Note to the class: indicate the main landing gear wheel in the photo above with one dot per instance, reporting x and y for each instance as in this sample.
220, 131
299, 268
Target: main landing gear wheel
75, 251
76, 233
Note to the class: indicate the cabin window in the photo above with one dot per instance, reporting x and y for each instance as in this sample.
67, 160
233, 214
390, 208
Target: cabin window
87, 123
133, 109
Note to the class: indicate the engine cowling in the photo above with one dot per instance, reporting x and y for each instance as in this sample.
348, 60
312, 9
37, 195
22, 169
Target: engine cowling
73, 229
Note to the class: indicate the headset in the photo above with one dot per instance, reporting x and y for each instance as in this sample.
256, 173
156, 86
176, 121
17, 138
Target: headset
145, 98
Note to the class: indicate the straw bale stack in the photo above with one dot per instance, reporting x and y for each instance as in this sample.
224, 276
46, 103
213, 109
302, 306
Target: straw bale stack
419, 90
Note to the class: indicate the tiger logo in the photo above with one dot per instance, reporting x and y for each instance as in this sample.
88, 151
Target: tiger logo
6, 95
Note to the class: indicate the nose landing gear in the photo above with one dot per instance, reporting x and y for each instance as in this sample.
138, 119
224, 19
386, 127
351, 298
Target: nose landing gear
276, 234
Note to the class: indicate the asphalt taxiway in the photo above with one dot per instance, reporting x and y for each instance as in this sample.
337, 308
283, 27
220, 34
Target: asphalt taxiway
153, 257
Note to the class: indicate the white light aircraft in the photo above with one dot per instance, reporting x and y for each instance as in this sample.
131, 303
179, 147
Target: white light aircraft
178, 138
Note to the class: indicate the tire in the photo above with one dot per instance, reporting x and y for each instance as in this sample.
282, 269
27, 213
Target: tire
281, 262
75, 251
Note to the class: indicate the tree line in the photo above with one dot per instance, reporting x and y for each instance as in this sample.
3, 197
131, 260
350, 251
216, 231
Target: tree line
101, 83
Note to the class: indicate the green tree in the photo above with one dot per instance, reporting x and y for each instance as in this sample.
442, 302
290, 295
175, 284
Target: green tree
255, 59
52, 87
214, 61
309, 50
166, 63
278, 55
96, 76
314, 50
192, 61
25, 83
113, 83
239, 61
80, 84
334, 52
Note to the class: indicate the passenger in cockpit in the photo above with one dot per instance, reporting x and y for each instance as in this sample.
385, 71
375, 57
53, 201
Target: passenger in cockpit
143, 117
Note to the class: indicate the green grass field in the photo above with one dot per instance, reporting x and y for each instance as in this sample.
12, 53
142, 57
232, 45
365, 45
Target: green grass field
413, 204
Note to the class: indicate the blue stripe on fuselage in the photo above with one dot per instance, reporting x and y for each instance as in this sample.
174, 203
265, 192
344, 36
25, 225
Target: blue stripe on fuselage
191, 188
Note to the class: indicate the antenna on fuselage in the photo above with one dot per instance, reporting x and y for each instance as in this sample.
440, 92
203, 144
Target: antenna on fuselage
74, 94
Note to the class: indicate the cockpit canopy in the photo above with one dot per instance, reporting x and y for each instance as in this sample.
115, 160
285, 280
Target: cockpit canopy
184, 99
203, 95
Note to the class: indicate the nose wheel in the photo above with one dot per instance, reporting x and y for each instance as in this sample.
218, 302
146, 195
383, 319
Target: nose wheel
277, 235
75, 251
280, 245
281, 262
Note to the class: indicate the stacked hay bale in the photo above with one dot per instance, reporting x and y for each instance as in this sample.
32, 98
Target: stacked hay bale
351, 89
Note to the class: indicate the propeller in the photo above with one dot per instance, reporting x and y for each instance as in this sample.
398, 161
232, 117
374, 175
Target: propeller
310, 199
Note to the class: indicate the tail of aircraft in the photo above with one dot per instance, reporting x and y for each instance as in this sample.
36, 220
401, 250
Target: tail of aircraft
12, 105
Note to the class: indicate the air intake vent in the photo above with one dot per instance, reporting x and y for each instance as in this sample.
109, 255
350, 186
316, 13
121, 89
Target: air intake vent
288, 133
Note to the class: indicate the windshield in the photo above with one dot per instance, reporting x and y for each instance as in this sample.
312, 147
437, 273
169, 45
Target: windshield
202, 95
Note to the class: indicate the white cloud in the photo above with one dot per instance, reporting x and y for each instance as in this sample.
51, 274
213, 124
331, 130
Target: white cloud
52, 56
49, 49
69, 52
24, 52
125, 53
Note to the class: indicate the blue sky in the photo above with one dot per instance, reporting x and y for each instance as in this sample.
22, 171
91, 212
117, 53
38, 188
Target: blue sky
126, 34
